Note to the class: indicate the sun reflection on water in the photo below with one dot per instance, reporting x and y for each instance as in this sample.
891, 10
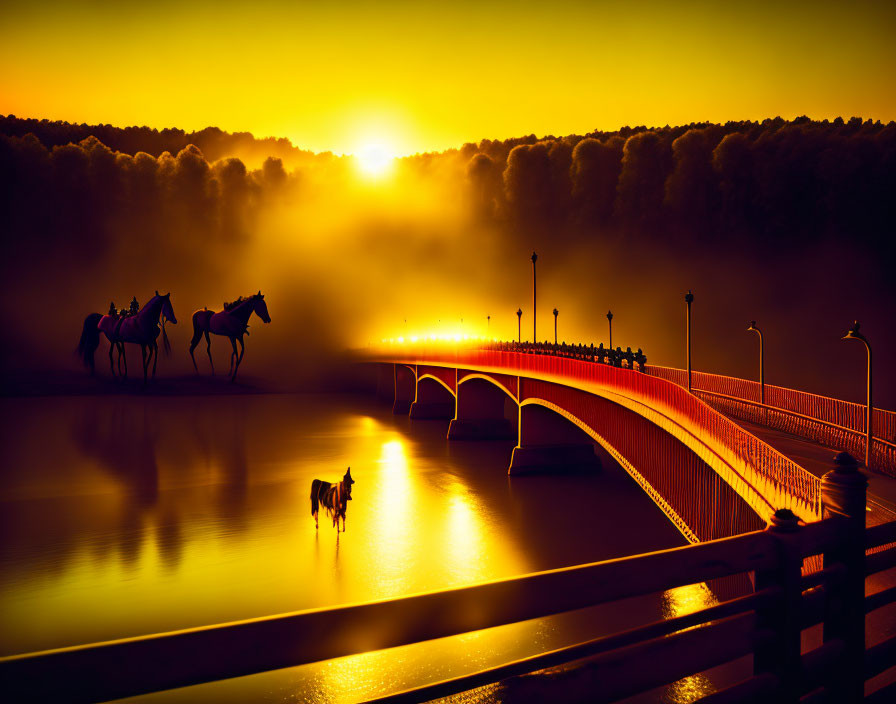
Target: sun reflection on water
393, 502
682, 601
465, 543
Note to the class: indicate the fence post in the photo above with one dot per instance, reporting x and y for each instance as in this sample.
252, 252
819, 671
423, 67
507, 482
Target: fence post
781, 656
843, 500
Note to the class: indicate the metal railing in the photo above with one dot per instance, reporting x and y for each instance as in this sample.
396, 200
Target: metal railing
828, 421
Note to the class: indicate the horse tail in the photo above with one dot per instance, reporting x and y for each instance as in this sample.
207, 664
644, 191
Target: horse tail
315, 488
165, 343
90, 339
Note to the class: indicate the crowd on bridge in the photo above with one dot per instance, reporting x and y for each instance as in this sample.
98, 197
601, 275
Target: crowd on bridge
601, 355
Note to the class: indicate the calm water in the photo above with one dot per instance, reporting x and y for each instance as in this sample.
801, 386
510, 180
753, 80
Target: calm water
122, 516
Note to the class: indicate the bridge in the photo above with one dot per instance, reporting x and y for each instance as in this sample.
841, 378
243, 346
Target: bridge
705, 457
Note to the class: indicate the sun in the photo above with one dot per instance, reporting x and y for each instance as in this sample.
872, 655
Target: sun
374, 159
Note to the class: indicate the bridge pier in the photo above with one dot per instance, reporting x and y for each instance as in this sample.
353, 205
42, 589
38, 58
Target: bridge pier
433, 401
405, 386
548, 442
480, 413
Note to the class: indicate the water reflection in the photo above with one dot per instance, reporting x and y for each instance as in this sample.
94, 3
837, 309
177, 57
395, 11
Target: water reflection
682, 601
153, 514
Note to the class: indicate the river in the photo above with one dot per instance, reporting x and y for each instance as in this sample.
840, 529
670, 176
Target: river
130, 515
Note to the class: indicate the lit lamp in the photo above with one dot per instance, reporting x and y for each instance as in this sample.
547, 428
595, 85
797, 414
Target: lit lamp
753, 328
854, 334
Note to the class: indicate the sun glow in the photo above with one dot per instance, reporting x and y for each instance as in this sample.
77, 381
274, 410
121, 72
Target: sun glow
374, 160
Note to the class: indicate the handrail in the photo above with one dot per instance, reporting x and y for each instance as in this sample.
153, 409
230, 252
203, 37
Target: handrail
438, 690
883, 455
847, 414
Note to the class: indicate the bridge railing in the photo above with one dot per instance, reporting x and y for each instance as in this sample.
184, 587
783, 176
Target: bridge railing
828, 421
774, 476
766, 623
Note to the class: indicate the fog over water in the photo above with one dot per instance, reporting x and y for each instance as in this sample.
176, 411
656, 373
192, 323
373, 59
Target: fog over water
126, 516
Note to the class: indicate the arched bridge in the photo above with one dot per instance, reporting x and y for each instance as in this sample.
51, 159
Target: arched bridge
712, 477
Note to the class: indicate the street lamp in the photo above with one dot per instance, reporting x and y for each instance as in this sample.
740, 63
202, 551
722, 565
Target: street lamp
556, 312
753, 328
689, 298
488, 326
610, 321
534, 259
854, 334
519, 323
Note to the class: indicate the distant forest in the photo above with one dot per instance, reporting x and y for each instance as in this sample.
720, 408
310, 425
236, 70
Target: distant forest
772, 183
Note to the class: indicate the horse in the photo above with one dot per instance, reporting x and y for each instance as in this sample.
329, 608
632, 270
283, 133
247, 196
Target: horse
232, 322
333, 497
90, 340
140, 329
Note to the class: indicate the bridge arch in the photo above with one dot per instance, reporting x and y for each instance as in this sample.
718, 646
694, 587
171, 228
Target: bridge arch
436, 379
434, 399
481, 413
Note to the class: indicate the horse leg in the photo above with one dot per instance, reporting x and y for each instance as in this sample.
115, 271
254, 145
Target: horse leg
111, 366
155, 357
122, 355
234, 364
208, 348
193, 343
240, 356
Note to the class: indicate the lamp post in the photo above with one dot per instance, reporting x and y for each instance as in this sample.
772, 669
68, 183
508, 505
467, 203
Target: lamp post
556, 312
534, 259
854, 334
689, 298
610, 321
488, 326
753, 328
519, 325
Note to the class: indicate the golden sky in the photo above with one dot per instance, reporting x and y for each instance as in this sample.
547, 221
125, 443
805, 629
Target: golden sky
418, 77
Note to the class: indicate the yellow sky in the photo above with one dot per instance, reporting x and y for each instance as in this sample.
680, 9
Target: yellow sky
419, 78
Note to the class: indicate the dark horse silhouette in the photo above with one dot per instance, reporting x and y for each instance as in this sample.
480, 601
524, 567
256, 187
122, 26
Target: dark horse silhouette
141, 329
90, 337
333, 497
232, 322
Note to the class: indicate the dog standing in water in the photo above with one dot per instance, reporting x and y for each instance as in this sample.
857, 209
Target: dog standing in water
333, 497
